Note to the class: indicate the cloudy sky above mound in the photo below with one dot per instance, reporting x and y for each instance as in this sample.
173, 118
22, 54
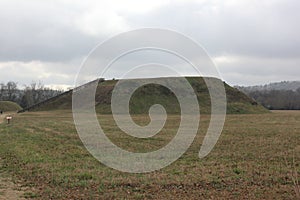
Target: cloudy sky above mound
251, 41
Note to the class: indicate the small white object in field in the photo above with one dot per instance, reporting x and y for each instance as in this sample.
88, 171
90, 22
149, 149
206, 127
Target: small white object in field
8, 119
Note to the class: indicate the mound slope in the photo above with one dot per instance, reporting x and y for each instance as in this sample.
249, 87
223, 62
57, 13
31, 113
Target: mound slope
9, 106
146, 96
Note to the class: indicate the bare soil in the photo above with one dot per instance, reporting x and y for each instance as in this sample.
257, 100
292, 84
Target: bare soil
10, 190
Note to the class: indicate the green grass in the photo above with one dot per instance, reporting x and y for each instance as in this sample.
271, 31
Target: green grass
144, 97
9, 106
256, 157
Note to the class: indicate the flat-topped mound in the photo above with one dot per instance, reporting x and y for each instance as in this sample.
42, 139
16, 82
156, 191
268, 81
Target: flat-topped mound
146, 96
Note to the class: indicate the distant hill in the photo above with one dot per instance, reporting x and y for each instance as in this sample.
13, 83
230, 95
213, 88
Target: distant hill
283, 85
6, 106
151, 94
283, 95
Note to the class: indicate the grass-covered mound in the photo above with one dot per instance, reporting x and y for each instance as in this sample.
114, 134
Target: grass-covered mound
146, 96
6, 106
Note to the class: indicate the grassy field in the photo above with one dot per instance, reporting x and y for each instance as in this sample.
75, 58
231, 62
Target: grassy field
256, 157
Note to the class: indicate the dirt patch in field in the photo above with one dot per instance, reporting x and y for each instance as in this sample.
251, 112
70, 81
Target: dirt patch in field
10, 190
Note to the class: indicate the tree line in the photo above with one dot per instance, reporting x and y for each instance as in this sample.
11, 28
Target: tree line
276, 99
29, 94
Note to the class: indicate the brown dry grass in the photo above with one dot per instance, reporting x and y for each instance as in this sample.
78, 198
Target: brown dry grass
256, 157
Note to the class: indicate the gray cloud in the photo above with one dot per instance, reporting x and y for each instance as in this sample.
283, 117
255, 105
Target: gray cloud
39, 32
255, 39
253, 28
253, 71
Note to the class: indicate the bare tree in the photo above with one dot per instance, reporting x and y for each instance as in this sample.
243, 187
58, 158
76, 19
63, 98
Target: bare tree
11, 90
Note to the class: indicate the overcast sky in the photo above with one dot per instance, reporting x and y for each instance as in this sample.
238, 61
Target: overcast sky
251, 41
